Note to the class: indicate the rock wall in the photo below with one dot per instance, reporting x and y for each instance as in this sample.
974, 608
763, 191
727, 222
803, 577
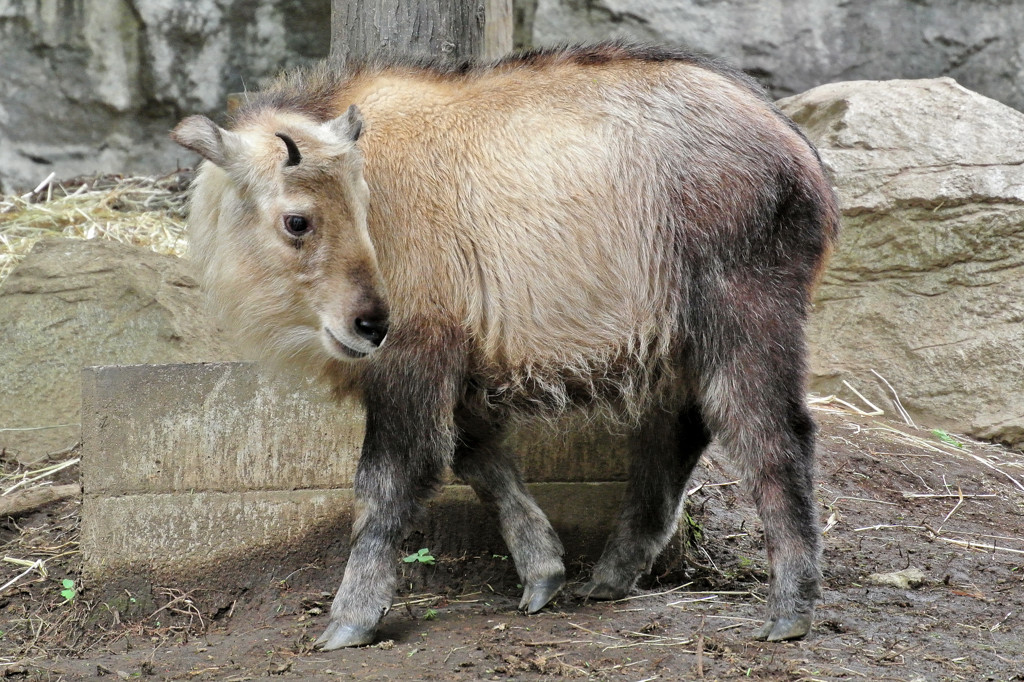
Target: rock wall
794, 45
96, 86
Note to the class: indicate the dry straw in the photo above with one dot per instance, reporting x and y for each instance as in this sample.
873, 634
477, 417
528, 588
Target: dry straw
144, 211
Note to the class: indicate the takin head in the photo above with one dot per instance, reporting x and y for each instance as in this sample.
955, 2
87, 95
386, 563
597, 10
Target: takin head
278, 230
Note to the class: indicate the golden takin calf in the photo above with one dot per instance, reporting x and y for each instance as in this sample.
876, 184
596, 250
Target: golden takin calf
629, 230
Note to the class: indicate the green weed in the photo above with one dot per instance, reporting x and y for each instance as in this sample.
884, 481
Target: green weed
946, 438
421, 557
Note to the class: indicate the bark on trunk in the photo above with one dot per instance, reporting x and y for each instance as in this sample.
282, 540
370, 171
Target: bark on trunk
454, 30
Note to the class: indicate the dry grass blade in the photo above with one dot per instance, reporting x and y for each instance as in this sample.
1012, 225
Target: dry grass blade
593, 632
914, 496
995, 468
896, 401
28, 477
35, 428
827, 404
36, 565
947, 449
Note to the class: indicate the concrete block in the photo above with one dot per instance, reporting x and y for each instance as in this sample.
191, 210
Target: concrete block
169, 531
213, 427
573, 450
164, 529
185, 464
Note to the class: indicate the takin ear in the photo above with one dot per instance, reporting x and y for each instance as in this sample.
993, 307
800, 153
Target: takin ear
348, 126
206, 138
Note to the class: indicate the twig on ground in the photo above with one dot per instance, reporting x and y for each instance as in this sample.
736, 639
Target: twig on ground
652, 594
971, 545
861, 499
887, 525
35, 498
700, 649
953, 510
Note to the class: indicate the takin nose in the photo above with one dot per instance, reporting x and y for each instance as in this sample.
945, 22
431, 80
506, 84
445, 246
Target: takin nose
371, 327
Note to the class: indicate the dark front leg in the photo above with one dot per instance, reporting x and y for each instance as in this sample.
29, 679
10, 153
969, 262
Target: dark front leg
410, 392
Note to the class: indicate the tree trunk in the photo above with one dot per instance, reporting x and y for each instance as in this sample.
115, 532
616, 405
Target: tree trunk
453, 30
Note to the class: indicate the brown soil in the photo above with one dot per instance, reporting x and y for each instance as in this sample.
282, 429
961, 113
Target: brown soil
891, 497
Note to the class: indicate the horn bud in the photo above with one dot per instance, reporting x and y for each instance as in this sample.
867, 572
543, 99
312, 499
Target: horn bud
294, 157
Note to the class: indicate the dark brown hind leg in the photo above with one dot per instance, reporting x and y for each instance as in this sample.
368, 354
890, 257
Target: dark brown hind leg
663, 454
762, 422
488, 467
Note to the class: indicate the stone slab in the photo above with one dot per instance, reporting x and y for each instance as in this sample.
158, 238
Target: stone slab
212, 427
231, 427
179, 530
926, 287
192, 463
73, 303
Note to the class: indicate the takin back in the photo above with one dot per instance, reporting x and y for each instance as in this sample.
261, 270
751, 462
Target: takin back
627, 230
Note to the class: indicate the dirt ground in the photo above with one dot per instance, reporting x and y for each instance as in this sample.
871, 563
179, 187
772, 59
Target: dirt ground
892, 498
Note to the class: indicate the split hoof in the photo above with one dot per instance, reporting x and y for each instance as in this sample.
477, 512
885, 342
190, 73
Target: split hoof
536, 595
600, 591
337, 636
781, 629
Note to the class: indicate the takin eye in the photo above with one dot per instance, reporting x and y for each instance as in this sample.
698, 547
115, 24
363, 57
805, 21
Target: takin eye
297, 225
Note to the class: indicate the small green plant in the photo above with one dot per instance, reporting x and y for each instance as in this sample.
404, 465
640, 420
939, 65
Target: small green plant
431, 614
69, 592
696, 532
946, 438
421, 557
746, 563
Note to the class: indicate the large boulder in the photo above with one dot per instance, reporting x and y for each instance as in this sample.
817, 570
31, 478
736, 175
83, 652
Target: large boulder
792, 46
927, 285
74, 303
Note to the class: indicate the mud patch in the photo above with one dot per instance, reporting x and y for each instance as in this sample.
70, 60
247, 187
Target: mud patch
892, 498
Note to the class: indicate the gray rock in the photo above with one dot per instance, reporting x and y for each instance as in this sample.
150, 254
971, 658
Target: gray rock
96, 86
912, 577
927, 285
74, 303
794, 46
